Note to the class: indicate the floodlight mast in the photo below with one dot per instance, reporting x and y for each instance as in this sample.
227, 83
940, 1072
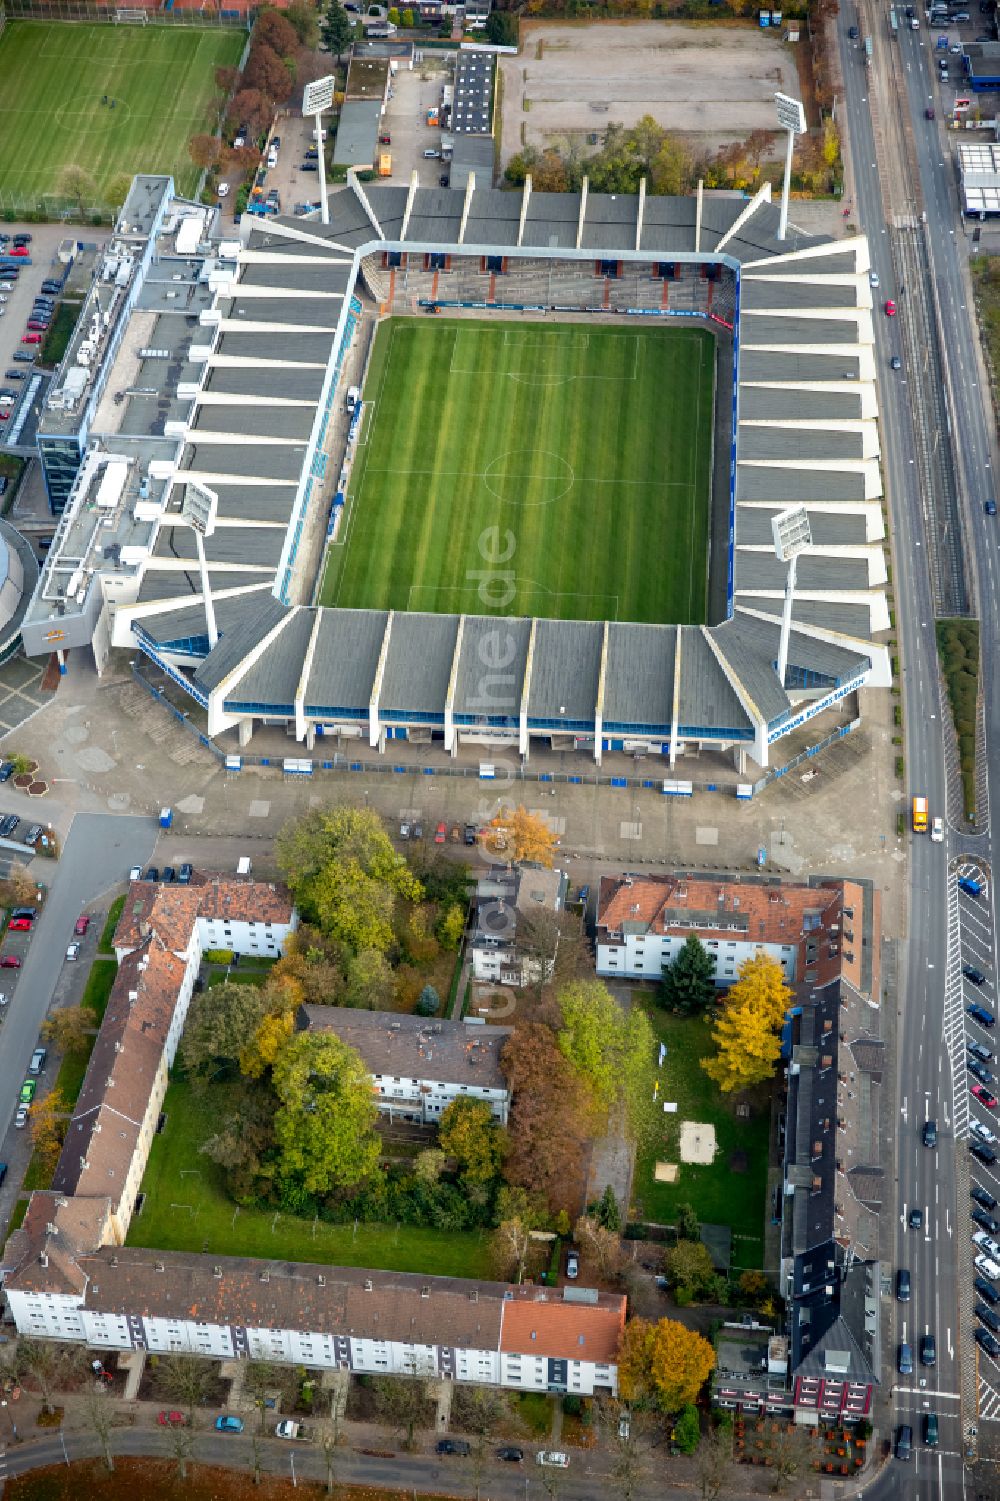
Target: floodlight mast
792, 535
199, 510
791, 118
317, 97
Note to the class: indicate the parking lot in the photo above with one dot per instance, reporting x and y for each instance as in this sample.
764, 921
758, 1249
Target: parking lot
20, 292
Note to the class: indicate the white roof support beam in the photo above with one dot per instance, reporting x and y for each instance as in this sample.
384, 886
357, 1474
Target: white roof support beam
581, 218
410, 196
362, 197
640, 214
470, 188
525, 200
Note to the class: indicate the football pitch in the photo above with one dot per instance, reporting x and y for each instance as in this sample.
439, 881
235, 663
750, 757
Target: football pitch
53, 76
560, 470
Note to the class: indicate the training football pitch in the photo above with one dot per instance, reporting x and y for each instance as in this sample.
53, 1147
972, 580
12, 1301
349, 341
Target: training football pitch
560, 470
53, 77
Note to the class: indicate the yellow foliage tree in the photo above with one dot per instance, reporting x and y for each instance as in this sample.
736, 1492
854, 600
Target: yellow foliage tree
520, 835
49, 1121
746, 1036
268, 1040
665, 1362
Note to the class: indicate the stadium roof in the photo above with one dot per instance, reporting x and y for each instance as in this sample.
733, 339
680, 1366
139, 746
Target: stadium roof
250, 370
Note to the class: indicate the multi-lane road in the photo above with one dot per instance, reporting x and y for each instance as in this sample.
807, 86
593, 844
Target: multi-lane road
945, 928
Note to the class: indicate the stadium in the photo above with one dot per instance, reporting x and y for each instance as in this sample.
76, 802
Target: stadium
289, 555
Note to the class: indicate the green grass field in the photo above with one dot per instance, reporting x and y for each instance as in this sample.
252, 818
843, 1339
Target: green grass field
590, 446
733, 1190
187, 1209
52, 79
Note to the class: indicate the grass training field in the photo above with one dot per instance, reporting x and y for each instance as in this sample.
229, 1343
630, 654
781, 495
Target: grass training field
187, 1209
53, 76
733, 1189
580, 455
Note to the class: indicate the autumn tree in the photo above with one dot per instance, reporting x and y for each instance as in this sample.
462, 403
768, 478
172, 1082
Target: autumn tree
688, 984
70, 1028
336, 29
665, 1362
251, 107
689, 1267
226, 80
49, 1122
519, 835
612, 1049
469, 1133
204, 150
117, 189
451, 927
551, 1118
272, 1032
19, 887
747, 1035
345, 875
221, 1024
274, 30
325, 1121
305, 20
369, 980
266, 71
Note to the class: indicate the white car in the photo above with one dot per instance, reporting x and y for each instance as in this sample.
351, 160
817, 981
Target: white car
223, 190
553, 1457
21, 1118
937, 831
4, 999
135, 873
987, 1243
73, 952
983, 1132
873, 278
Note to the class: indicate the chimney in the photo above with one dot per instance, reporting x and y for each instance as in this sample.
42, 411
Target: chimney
217, 1271
368, 1285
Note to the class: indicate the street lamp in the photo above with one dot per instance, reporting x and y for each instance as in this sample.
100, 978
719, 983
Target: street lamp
792, 536
199, 511
792, 118
317, 97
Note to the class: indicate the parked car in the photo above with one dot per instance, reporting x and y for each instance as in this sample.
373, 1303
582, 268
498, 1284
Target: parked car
975, 975
21, 1118
152, 874
135, 873
184, 873
172, 1419
981, 1015
984, 1153
890, 309
34, 834
38, 1058
169, 873
20, 925
988, 1342
510, 1452
453, 1446
82, 924
27, 1091
471, 833
228, 1423
979, 1070
6, 771
572, 1266
984, 1096
978, 1050
984, 1197
986, 1290
10, 961
553, 1457
72, 952
980, 1129
986, 1221
441, 833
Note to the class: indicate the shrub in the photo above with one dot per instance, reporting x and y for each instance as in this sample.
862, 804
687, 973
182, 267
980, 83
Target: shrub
218, 956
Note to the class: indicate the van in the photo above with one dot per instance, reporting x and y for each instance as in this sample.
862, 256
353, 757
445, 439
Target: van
931, 1429
431, 155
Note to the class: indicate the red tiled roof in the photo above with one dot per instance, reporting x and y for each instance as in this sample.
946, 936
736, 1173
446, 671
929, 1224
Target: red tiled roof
540, 1322
171, 911
767, 913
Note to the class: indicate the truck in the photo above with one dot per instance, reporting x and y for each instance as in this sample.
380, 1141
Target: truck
919, 815
385, 164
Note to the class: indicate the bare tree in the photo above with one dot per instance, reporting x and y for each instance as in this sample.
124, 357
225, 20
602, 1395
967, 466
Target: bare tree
48, 1364
180, 1437
714, 1462
184, 1379
329, 1434
509, 1247
789, 1452
101, 1416
258, 1376
401, 1402
256, 1457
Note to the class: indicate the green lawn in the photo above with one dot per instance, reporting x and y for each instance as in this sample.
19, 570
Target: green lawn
571, 462
107, 942
52, 80
729, 1192
98, 986
187, 1209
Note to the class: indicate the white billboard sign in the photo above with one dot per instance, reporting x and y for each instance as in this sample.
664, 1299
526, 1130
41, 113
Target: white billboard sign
791, 115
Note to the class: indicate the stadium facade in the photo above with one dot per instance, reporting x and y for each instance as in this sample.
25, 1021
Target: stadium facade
207, 380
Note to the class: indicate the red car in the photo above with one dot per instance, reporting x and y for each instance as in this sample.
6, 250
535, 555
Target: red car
31, 338
19, 250
81, 925
20, 925
984, 1097
890, 309
441, 833
172, 1419
10, 961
